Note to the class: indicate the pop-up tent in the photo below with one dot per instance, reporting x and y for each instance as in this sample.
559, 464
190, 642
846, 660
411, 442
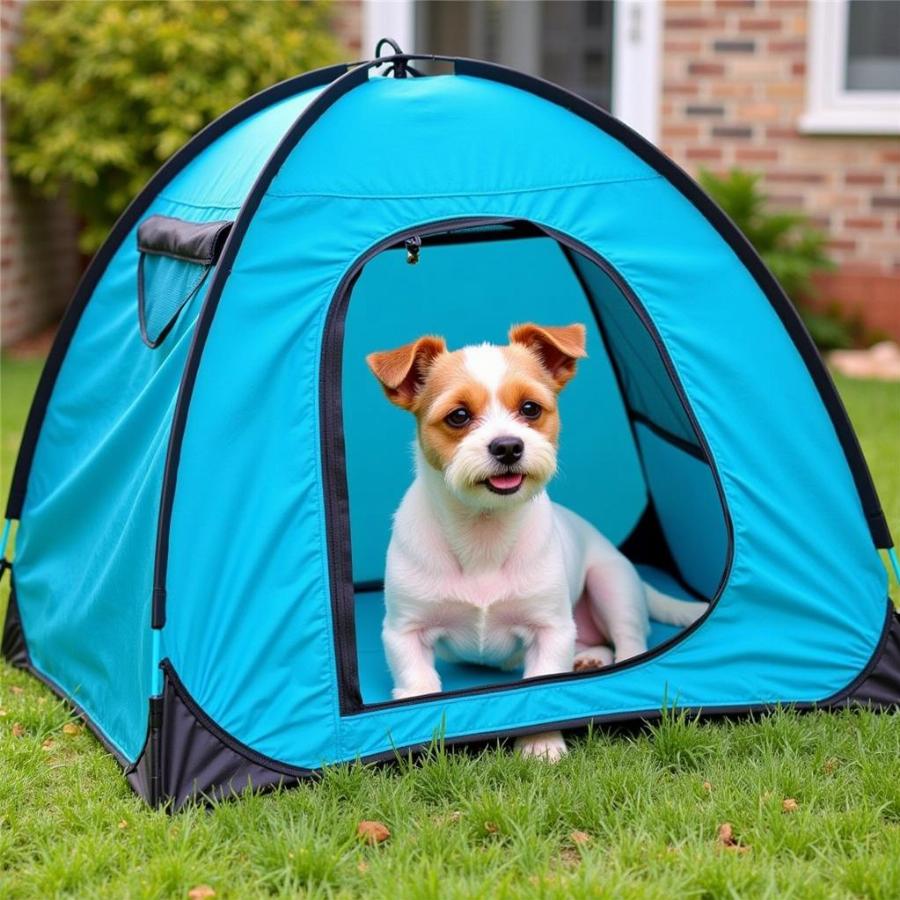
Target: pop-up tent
207, 476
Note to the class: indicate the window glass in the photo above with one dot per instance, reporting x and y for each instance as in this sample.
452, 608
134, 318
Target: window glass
873, 45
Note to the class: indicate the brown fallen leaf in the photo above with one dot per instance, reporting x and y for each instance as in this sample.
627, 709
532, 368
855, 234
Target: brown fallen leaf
18, 729
123, 824
569, 856
580, 837
71, 728
491, 827
830, 765
728, 841
201, 892
48, 744
373, 832
362, 867
790, 805
16, 689
450, 818
707, 786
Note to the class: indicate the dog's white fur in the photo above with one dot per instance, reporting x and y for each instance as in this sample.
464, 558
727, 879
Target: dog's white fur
500, 580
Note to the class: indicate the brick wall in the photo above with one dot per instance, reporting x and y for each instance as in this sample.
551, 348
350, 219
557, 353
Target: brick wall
39, 259
734, 88
349, 27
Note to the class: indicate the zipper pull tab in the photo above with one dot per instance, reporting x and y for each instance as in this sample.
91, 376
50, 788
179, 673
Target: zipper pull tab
413, 246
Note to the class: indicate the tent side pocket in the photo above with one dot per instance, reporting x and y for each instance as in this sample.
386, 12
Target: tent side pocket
176, 257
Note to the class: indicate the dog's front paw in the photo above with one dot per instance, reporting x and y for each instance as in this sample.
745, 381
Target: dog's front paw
548, 745
416, 690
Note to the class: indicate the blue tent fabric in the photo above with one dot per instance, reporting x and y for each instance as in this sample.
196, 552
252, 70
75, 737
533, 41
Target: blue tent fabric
208, 506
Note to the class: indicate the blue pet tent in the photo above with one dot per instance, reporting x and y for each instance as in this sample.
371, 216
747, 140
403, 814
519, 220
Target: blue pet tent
208, 472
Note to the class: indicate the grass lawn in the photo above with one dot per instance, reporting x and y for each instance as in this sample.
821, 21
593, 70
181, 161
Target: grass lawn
622, 815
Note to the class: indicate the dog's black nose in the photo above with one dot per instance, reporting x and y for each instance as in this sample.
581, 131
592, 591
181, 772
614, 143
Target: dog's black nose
507, 450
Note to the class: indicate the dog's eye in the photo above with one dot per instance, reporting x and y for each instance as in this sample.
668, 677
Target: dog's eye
530, 410
459, 417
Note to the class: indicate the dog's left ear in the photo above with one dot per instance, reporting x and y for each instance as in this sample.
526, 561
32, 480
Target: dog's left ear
558, 348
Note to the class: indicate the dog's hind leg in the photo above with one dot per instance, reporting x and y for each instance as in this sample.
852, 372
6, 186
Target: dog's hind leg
592, 650
619, 605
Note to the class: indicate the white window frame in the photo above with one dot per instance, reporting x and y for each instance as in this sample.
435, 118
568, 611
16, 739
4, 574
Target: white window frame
637, 65
637, 36
830, 107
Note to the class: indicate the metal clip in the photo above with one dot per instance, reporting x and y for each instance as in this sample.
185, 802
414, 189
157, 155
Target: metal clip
413, 245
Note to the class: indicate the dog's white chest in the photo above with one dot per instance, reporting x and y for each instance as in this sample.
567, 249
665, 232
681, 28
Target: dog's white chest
492, 631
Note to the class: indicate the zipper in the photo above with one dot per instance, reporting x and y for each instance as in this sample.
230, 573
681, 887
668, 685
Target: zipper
337, 513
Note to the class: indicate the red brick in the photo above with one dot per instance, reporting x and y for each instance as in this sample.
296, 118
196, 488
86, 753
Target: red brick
798, 68
806, 177
786, 46
759, 25
670, 46
864, 224
873, 178
705, 68
698, 153
681, 88
707, 23
844, 244
681, 131
756, 154
780, 132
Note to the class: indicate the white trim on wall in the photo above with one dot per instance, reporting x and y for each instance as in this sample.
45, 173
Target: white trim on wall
388, 18
636, 78
830, 107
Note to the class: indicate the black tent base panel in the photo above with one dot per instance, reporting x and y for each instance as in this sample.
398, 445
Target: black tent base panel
187, 758
13, 644
880, 688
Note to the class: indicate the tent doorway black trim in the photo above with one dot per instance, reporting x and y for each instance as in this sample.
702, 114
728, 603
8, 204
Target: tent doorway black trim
337, 506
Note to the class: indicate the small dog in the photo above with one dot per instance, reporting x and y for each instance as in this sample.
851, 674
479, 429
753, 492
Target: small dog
481, 566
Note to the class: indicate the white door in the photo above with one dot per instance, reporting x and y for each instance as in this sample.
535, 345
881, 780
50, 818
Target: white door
607, 51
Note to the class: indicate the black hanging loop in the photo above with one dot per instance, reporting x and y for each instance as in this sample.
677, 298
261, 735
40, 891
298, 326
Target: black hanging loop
398, 66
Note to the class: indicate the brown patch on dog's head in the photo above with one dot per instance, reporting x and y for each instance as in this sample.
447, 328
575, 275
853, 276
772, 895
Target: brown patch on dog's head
449, 386
402, 372
527, 380
558, 348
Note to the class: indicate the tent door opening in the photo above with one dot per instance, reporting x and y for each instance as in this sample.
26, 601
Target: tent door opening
632, 458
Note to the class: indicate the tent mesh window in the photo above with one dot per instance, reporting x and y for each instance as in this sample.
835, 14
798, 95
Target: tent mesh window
631, 460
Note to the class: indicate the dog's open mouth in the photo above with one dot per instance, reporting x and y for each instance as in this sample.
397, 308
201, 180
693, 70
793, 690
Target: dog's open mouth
504, 484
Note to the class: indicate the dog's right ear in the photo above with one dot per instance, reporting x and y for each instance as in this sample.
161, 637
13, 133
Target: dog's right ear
402, 371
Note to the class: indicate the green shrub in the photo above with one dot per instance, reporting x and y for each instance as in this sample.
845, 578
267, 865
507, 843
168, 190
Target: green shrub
790, 246
102, 93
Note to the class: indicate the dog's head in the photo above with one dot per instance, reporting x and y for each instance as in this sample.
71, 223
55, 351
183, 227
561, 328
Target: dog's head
487, 415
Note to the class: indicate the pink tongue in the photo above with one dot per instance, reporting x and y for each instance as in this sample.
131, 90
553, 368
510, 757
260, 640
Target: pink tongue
505, 482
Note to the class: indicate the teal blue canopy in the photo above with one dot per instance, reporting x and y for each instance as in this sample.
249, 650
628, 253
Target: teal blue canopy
209, 470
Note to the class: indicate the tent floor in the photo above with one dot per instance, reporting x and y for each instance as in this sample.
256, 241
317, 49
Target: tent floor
375, 679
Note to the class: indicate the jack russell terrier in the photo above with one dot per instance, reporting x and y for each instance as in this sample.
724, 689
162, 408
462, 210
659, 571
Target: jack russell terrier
482, 567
